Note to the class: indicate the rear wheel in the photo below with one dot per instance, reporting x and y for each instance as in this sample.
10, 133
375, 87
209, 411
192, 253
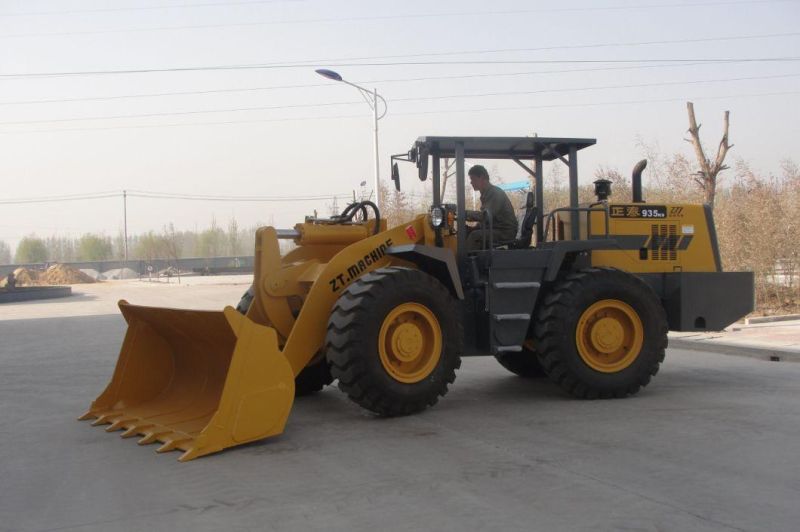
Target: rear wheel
601, 333
314, 377
394, 341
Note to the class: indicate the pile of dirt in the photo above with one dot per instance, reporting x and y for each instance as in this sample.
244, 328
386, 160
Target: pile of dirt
25, 277
121, 273
94, 274
63, 274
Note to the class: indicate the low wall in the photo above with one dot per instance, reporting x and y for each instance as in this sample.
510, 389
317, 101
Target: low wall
29, 293
215, 264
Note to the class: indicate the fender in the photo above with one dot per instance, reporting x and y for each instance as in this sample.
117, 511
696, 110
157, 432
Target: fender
438, 262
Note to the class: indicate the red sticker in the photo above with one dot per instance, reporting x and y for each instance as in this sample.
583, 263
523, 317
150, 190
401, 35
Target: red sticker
411, 233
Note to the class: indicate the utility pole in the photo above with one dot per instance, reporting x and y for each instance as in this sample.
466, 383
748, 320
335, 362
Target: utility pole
125, 225
377, 159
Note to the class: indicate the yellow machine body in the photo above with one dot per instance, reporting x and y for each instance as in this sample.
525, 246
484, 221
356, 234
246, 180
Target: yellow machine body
653, 238
201, 381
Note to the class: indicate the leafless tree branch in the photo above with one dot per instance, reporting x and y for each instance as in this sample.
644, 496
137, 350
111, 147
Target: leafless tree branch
708, 172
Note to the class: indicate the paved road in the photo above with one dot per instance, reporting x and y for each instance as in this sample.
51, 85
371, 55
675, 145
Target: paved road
712, 444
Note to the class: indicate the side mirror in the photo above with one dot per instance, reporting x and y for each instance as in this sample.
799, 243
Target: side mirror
396, 176
422, 163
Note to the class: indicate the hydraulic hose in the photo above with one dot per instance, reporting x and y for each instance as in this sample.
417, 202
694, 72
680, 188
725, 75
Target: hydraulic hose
353, 209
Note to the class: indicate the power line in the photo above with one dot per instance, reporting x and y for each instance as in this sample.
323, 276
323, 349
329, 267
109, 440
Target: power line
409, 99
558, 47
159, 94
535, 72
184, 113
445, 111
278, 66
145, 8
395, 80
201, 197
61, 198
227, 122
463, 52
166, 195
599, 104
596, 87
406, 16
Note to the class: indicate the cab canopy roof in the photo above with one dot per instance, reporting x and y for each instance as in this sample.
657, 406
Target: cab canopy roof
548, 148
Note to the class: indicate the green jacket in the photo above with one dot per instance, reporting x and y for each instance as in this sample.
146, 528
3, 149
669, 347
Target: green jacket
504, 220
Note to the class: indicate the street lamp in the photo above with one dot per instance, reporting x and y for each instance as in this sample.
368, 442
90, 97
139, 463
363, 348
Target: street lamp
371, 97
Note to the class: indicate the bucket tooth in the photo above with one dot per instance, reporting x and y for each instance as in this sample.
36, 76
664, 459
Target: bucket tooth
190, 454
118, 424
103, 419
133, 430
151, 437
85, 416
171, 444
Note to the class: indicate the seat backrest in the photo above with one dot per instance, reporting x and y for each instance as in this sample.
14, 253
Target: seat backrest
526, 226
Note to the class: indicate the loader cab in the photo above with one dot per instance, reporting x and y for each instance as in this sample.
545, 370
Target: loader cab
529, 153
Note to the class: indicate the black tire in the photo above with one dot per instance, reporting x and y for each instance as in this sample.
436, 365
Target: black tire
246, 301
524, 364
314, 377
557, 322
352, 341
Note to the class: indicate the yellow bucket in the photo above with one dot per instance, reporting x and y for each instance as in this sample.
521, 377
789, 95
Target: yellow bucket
197, 381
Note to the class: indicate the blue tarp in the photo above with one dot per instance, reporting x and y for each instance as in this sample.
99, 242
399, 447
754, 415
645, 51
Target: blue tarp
516, 185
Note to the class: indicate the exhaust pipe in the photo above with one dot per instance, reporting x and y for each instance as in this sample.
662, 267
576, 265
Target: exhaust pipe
637, 181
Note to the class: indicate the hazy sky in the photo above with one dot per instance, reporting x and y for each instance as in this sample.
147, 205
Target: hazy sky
316, 138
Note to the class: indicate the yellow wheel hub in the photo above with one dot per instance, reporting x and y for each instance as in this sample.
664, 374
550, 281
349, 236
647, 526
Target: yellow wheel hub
609, 335
410, 342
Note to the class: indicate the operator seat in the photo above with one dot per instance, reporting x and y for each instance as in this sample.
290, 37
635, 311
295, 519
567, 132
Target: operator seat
525, 234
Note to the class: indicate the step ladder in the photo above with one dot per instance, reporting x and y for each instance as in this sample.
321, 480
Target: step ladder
510, 297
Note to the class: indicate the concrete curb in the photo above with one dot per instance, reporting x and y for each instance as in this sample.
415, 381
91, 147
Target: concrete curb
773, 354
771, 319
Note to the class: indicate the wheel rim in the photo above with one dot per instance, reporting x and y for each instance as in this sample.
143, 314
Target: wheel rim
410, 342
609, 335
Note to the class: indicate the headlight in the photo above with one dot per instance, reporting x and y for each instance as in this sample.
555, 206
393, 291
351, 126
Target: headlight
437, 216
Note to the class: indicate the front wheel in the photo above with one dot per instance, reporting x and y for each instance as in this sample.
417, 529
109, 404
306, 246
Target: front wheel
601, 333
394, 341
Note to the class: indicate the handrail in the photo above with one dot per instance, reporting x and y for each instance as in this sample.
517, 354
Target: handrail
590, 209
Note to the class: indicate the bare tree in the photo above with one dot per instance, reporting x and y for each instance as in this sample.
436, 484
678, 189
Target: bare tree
234, 244
149, 247
171, 244
707, 176
5, 253
449, 171
171, 248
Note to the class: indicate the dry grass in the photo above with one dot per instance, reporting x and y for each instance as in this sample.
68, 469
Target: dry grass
757, 218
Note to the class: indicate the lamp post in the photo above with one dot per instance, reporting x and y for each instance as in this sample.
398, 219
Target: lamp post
371, 97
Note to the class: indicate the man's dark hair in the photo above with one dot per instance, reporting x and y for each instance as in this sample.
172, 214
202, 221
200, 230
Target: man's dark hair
478, 171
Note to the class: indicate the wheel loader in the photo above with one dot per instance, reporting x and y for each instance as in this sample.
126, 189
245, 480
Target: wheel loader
584, 295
